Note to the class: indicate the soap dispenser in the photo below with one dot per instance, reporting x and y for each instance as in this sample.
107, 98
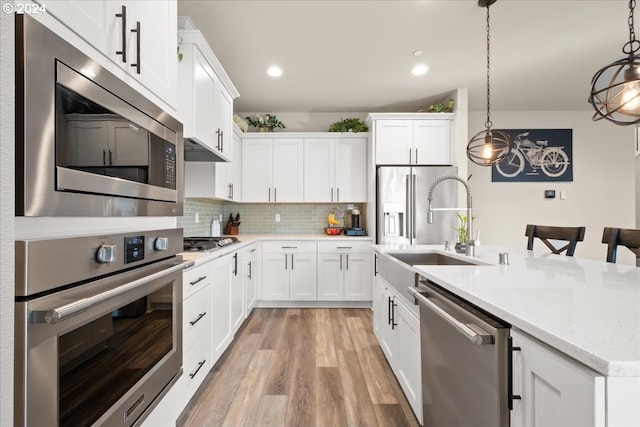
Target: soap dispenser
215, 228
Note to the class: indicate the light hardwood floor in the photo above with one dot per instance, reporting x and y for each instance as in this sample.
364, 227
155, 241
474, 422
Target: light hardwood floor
302, 368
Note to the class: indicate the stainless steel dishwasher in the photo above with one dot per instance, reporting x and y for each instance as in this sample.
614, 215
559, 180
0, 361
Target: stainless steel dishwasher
465, 361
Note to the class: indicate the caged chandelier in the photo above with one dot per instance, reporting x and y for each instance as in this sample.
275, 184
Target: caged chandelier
488, 147
615, 88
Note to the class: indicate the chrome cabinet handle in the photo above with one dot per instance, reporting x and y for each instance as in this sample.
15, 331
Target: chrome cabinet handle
340, 261
347, 256
289, 247
123, 50
474, 337
416, 156
218, 135
61, 313
292, 261
137, 31
344, 247
286, 260
249, 276
110, 157
510, 394
337, 194
332, 194
235, 264
222, 141
388, 310
200, 316
104, 157
393, 314
200, 365
409, 155
269, 194
275, 194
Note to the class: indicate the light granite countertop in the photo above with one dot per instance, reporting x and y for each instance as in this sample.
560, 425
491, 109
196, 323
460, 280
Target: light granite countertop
587, 309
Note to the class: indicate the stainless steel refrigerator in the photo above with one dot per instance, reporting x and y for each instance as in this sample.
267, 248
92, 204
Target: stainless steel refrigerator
402, 205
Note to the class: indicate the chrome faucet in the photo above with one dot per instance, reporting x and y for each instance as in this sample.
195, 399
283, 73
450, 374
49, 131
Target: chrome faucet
470, 244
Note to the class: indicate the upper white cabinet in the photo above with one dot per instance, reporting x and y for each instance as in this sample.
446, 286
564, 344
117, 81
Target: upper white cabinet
335, 169
272, 169
206, 94
412, 139
137, 36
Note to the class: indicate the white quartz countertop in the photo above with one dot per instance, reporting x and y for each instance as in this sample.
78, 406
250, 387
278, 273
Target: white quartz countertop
587, 309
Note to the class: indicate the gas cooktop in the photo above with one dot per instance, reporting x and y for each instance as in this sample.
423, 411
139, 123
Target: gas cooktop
207, 243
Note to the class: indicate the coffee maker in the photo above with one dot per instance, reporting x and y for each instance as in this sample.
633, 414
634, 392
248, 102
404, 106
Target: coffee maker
356, 229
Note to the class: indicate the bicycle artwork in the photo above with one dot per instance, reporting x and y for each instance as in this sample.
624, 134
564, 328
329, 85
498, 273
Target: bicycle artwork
537, 155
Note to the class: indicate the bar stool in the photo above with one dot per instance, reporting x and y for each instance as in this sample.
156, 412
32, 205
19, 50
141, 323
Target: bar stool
572, 235
615, 237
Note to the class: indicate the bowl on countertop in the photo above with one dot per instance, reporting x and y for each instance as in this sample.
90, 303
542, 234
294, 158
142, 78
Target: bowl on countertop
333, 231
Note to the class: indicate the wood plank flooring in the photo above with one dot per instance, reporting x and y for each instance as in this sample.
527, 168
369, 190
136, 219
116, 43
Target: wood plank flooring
297, 367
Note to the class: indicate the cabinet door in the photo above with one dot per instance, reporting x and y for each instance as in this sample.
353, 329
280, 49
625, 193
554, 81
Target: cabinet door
351, 170
198, 122
94, 20
222, 180
237, 292
409, 368
234, 173
287, 163
330, 277
221, 302
432, 142
555, 390
128, 144
393, 142
250, 271
223, 108
256, 170
89, 143
319, 170
357, 277
302, 277
158, 46
275, 277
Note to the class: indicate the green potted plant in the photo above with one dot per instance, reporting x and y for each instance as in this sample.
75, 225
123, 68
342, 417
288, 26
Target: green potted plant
461, 233
265, 123
352, 124
440, 107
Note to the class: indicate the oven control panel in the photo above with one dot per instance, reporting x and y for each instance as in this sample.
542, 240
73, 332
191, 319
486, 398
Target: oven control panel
133, 249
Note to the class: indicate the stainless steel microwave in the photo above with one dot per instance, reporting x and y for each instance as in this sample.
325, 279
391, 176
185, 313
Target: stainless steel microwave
87, 144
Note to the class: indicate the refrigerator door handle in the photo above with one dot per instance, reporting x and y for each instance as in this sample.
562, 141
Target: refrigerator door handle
407, 221
413, 208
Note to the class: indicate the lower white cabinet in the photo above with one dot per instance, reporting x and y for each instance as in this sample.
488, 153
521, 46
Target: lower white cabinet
344, 271
555, 390
251, 270
238, 312
289, 271
221, 333
398, 330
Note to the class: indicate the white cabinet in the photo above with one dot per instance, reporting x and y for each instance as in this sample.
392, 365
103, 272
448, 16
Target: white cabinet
221, 334
251, 271
555, 390
413, 141
289, 271
344, 271
137, 36
215, 180
237, 293
397, 328
335, 169
97, 140
272, 170
205, 102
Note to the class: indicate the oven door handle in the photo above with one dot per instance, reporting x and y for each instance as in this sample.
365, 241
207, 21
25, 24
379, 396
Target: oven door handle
59, 314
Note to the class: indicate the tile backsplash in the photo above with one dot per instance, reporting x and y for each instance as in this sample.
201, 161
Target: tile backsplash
259, 218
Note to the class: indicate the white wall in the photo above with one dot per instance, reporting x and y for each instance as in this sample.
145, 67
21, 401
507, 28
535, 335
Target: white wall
602, 192
7, 196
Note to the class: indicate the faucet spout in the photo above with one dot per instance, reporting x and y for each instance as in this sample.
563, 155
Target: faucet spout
470, 243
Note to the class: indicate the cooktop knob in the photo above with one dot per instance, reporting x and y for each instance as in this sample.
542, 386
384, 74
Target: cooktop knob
107, 254
161, 244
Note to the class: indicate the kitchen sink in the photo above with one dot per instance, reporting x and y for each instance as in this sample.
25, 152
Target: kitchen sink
429, 259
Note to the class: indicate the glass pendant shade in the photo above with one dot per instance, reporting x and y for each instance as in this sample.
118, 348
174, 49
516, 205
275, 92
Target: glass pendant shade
615, 92
488, 147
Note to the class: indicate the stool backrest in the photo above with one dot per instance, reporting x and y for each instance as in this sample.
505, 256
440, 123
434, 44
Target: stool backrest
615, 237
572, 235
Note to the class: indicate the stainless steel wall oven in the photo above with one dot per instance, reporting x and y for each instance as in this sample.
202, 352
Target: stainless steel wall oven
87, 143
98, 327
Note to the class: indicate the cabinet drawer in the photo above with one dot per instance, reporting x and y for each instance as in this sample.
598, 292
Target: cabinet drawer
196, 364
196, 318
288, 246
343, 246
196, 278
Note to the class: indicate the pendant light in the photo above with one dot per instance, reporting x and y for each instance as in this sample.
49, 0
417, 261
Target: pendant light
488, 147
615, 89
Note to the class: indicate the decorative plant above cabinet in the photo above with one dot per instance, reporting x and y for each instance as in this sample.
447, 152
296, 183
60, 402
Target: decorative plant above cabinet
265, 123
349, 125
440, 107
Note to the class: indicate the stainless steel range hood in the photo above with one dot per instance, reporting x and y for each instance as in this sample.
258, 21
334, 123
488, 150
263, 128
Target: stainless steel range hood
196, 152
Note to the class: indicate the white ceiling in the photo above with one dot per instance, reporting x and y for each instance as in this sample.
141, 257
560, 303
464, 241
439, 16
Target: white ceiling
356, 56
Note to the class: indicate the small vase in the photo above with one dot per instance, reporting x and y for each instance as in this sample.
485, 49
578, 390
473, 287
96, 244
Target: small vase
262, 129
461, 247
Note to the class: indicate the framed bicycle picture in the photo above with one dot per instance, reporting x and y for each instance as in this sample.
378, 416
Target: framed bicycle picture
538, 155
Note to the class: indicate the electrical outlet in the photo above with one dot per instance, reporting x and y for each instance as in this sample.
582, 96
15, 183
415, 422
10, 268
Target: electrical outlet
277, 217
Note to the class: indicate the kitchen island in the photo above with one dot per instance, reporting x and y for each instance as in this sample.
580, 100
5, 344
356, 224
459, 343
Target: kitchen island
585, 311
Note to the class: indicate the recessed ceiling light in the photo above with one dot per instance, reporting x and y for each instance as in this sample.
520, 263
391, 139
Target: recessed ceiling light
418, 52
419, 70
274, 71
